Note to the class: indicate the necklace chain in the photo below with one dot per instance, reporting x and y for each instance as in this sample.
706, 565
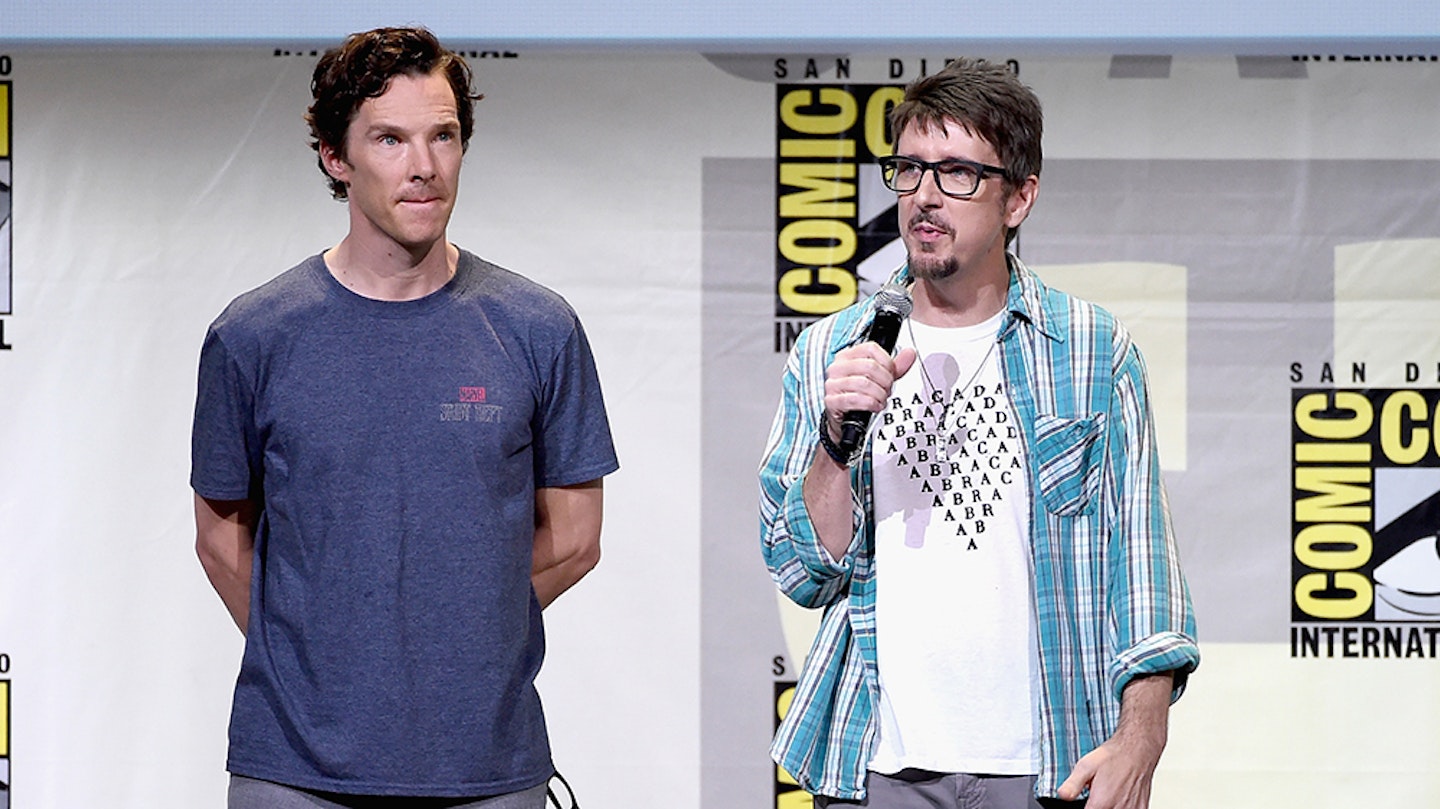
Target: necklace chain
957, 391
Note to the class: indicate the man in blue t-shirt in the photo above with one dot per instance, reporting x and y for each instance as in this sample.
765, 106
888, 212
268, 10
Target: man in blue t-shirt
397, 459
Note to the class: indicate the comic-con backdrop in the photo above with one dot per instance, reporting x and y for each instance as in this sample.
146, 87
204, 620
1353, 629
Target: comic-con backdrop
1269, 228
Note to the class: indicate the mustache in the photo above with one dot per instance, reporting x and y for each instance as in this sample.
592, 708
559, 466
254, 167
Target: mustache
929, 218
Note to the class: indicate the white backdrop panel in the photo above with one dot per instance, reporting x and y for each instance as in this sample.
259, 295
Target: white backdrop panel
152, 186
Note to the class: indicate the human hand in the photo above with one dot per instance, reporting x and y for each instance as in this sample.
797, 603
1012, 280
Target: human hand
1119, 771
860, 378
1118, 778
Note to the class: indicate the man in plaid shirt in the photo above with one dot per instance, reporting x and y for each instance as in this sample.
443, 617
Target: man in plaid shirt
1005, 620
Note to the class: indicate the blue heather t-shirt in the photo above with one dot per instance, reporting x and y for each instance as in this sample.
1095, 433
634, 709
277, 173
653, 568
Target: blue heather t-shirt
394, 637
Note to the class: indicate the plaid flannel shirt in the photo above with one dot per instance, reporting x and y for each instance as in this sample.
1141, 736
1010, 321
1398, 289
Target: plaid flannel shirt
1111, 602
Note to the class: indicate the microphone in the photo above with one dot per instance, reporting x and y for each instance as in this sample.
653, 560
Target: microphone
892, 306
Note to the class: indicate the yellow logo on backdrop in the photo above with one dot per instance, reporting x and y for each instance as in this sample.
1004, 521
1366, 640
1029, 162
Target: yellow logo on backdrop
1366, 543
1365, 463
4, 732
4, 120
824, 135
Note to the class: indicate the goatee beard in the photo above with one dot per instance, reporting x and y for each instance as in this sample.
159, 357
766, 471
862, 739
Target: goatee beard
932, 268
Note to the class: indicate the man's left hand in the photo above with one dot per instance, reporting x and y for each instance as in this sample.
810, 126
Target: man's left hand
1119, 771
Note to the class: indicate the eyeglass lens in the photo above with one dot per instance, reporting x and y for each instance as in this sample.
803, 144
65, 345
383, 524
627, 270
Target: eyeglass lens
955, 178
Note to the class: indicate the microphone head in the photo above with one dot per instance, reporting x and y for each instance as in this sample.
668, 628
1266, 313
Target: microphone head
893, 299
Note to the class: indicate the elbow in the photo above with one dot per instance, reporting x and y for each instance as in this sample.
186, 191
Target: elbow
222, 563
813, 595
806, 589
577, 562
586, 559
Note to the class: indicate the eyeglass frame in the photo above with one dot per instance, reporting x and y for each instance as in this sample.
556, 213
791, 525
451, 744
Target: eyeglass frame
981, 172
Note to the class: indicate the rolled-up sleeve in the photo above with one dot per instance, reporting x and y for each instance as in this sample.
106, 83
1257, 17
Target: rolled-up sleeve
1152, 620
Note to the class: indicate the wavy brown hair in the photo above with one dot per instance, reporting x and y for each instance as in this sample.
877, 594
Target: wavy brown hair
362, 67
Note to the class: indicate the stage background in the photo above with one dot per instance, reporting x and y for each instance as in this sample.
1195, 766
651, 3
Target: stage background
1257, 221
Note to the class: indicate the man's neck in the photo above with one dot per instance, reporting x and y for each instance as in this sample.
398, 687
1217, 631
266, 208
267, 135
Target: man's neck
390, 272
962, 299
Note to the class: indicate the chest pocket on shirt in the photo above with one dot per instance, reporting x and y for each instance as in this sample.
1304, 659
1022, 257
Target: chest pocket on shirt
1070, 455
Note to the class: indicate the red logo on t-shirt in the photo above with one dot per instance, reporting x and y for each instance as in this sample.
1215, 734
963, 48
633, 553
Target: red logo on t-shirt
472, 394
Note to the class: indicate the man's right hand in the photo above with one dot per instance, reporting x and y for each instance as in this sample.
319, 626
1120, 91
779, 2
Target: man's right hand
860, 378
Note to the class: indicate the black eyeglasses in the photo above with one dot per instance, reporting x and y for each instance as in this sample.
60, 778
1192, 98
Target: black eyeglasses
955, 178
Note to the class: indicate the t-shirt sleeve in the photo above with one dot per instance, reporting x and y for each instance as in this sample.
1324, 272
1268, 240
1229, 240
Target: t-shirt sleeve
573, 442
224, 454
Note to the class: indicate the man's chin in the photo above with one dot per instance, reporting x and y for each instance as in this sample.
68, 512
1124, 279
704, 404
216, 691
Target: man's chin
932, 268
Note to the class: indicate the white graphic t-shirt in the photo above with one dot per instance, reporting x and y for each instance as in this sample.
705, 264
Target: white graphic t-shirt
954, 614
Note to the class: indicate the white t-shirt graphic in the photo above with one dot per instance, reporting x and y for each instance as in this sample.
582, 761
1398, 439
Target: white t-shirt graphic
954, 613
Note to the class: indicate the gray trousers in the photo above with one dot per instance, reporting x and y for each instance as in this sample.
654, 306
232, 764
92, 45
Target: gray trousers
250, 793
920, 789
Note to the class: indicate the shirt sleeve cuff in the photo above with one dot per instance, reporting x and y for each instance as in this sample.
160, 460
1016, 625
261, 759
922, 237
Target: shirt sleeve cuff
1157, 654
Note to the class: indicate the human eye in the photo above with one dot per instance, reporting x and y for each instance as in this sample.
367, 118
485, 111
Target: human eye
905, 168
959, 170
445, 130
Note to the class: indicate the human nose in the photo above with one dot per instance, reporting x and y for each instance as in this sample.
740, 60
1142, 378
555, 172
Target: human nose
928, 193
422, 162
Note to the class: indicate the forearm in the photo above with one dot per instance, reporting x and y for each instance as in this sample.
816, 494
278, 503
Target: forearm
225, 545
567, 538
1145, 712
807, 506
231, 580
828, 498
554, 575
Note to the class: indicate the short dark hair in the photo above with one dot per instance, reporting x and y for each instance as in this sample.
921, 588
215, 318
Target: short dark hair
362, 66
988, 100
